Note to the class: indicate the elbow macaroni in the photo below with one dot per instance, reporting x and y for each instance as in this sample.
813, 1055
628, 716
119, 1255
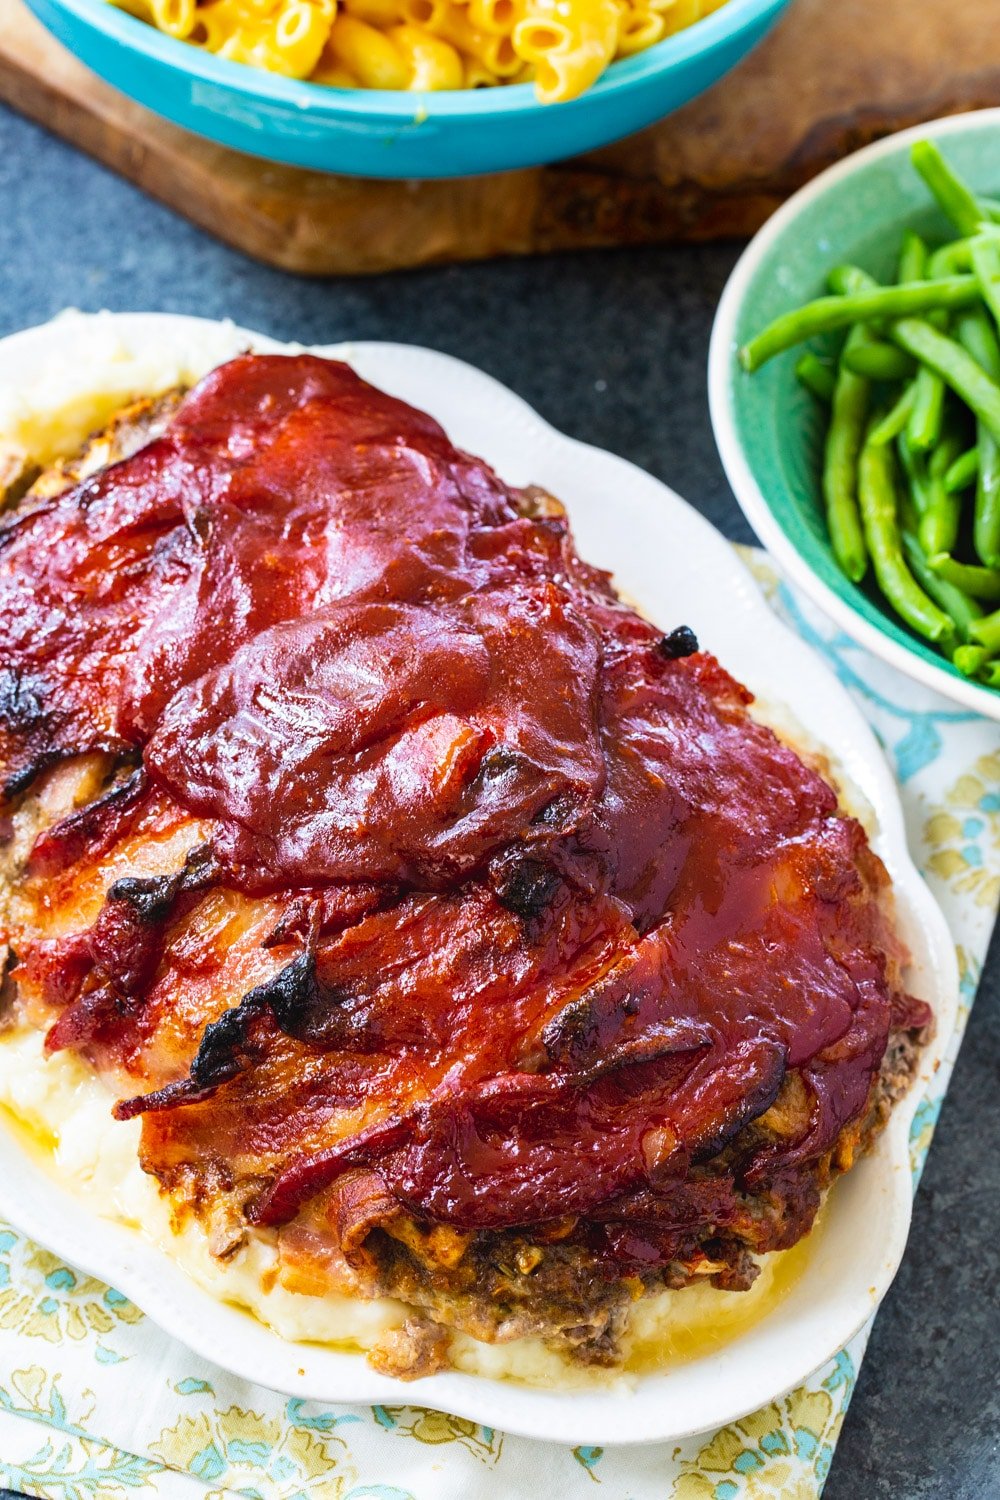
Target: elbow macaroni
287, 37
570, 45
562, 46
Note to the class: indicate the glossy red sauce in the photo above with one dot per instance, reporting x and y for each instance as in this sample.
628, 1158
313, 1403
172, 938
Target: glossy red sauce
562, 914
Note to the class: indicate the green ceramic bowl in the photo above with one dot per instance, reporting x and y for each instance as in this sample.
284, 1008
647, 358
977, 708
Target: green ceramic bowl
770, 431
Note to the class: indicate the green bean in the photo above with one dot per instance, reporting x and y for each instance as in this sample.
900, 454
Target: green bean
878, 361
864, 352
924, 426
844, 446
848, 414
962, 612
963, 471
986, 268
847, 280
978, 583
958, 369
945, 454
991, 207
970, 659
987, 632
845, 436
828, 313
877, 495
977, 337
986, 523
954, 197
961, 609
916, 474
913, 257
986, 515
946, 260
943, 515
817, 376
949, 260
894, 421
941, 519
990, 673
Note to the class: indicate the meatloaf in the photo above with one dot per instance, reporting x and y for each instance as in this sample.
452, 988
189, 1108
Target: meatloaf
440, 916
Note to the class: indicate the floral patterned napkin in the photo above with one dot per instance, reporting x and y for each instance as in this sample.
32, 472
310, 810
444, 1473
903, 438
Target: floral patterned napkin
97, 1403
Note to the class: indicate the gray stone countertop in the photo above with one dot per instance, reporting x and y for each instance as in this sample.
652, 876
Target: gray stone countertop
611, 348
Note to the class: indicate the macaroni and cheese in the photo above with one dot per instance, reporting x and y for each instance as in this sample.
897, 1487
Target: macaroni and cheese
562, 46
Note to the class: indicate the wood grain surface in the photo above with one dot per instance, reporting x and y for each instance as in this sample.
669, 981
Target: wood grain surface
833, 75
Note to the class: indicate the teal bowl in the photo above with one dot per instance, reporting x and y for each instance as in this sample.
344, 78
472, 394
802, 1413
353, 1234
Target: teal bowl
769, 430
372, 133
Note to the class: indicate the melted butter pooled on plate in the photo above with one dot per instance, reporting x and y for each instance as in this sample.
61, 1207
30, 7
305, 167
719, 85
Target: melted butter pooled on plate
703, 1319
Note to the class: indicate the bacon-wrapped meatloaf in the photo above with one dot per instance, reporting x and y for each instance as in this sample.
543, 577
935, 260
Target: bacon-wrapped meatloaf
437, 913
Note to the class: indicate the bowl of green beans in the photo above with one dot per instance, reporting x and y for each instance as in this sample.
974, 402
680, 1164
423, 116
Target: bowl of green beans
854, 382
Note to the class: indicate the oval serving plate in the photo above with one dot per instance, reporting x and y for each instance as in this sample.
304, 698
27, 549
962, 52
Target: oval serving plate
677, 568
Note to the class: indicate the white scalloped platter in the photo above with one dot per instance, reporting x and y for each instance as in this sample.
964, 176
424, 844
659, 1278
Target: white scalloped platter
678, 569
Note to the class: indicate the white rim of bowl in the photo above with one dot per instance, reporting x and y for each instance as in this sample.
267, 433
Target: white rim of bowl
749, 495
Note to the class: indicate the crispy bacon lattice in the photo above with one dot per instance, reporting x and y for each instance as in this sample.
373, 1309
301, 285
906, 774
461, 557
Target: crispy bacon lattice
427, 902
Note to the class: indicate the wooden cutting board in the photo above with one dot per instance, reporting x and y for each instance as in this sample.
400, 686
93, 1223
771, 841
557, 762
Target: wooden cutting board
834, 75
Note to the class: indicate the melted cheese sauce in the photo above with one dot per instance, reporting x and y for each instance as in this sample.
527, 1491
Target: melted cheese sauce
60, 1112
